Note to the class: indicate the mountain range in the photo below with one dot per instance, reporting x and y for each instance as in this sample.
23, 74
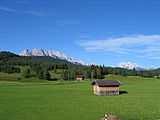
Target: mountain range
58, 55
129, 65
54, 54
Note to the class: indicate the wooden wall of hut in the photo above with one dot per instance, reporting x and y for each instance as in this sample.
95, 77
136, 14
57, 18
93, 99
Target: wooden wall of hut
106, 90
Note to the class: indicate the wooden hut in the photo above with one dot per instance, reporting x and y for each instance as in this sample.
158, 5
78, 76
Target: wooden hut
106, 87
79, 77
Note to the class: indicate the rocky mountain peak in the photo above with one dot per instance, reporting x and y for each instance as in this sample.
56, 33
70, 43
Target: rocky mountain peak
129, 65
54, 54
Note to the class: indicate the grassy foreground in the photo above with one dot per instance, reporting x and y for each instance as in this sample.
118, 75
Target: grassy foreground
32, 101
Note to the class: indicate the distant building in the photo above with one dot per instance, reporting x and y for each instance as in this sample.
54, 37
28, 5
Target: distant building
106, 87
79, 77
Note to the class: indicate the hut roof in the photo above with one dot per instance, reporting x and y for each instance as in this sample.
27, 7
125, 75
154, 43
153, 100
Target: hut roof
79, 76
105, 83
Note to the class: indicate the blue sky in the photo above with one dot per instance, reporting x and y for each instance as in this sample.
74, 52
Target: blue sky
96, 31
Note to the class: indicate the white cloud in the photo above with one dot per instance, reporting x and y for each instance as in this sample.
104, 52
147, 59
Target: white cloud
155, 57
83, 36
17, 1
148, 45
68, 22
7, 9
36, 12
30, 12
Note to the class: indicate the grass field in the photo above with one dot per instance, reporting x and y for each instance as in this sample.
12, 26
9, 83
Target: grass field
33, 101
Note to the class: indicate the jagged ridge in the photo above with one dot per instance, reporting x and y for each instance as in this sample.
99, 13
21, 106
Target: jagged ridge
54, 54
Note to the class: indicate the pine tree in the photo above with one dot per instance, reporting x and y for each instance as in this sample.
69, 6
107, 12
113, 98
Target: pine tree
41, 75
134, 72
93, 74
99, 73
47, 76
86, 74
123, 73
26, 73
55, 69
62, 75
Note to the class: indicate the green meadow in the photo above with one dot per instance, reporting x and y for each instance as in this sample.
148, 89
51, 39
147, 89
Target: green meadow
76, 101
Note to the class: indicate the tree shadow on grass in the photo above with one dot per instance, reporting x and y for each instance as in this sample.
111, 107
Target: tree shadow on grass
123, 92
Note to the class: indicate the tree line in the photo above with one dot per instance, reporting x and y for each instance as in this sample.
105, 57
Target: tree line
9, 63
98, 72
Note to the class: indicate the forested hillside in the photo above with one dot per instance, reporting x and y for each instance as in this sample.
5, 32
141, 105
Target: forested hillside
51, 59
10, 63
43, 67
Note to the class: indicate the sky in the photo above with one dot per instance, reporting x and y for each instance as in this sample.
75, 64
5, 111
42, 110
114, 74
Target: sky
96, 31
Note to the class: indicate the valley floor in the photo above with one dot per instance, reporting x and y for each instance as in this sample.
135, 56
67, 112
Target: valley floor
46, 101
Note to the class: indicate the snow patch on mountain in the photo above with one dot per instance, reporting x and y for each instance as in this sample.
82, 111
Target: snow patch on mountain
129, 66
151, 68
54, 54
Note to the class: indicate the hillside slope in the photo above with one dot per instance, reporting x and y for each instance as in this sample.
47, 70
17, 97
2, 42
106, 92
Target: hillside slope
51, 59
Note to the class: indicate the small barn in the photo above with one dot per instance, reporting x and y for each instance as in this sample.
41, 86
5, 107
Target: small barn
106, 87
79, 77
